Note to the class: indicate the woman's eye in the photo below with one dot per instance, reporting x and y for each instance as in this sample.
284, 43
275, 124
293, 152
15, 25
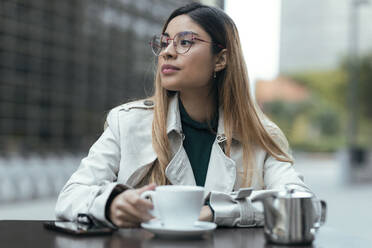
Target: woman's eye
163, 44
186, 42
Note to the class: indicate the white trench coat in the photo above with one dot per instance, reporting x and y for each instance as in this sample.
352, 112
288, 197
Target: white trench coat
124, 154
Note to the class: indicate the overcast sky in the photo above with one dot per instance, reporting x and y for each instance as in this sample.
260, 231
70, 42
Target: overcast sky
258, 23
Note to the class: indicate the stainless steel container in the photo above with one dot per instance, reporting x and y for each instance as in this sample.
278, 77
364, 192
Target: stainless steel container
292, 216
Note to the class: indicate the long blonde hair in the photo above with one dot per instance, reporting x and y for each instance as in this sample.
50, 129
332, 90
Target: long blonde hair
232, 87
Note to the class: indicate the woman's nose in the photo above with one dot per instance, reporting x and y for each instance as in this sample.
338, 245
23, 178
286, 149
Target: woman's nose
169, 51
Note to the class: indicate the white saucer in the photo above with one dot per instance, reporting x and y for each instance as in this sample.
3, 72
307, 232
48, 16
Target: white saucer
199, 228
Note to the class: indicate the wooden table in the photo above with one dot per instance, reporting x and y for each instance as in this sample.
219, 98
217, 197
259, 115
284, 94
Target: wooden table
22, 234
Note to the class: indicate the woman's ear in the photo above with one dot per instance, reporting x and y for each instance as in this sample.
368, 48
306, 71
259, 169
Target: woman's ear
221, 61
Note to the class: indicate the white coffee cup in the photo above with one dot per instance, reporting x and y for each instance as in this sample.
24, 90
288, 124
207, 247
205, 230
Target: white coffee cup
176, 205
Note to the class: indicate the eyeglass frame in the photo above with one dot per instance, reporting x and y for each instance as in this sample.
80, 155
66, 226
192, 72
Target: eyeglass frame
175, 45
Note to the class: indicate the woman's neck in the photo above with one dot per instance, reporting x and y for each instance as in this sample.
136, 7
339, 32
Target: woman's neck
199, 106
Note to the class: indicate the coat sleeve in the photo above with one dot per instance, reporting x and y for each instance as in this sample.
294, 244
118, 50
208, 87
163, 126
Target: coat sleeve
237, 209
89, 188
231, 210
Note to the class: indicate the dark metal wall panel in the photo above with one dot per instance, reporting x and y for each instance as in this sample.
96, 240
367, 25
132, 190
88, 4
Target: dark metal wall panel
64, 64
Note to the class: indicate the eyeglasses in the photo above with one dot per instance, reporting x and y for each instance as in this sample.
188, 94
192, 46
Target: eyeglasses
182, 42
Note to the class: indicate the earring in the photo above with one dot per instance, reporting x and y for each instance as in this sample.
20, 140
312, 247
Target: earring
214, 75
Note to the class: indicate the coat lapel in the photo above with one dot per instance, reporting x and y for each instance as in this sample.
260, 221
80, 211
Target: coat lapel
179, 169
221, 173
142, 154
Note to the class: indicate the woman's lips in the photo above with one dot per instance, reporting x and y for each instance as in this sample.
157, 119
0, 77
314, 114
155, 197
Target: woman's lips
169, 69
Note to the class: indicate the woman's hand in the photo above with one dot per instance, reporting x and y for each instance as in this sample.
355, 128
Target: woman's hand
206, 214
128, 209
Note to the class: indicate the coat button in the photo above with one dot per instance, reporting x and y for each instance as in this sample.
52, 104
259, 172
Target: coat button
148, 103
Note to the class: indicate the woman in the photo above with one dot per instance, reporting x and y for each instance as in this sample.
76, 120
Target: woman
201, 127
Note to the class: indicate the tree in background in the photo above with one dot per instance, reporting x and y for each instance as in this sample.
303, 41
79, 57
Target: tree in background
320, 122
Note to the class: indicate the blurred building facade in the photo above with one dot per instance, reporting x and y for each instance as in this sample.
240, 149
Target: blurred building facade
64, 64
315, 34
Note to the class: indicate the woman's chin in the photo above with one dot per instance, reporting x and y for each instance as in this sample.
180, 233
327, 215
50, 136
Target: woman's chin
170, 86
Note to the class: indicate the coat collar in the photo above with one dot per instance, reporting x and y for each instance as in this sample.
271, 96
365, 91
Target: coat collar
179, 170
174, 117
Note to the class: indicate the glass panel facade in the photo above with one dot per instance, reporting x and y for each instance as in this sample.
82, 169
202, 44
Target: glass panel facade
65, 64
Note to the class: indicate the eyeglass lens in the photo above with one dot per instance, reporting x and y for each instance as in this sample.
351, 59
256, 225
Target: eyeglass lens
181, 42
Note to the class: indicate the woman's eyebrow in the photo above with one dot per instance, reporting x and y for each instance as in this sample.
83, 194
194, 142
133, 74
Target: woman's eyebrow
188, 31
166, 34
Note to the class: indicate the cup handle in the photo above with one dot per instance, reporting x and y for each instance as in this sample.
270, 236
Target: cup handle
150, 194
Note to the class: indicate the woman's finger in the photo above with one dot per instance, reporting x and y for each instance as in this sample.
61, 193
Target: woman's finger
135, 212
151, 186
135, 200
130, 224
131, 204
125, 223
145, 204
118, 213
129, 209
123, 215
